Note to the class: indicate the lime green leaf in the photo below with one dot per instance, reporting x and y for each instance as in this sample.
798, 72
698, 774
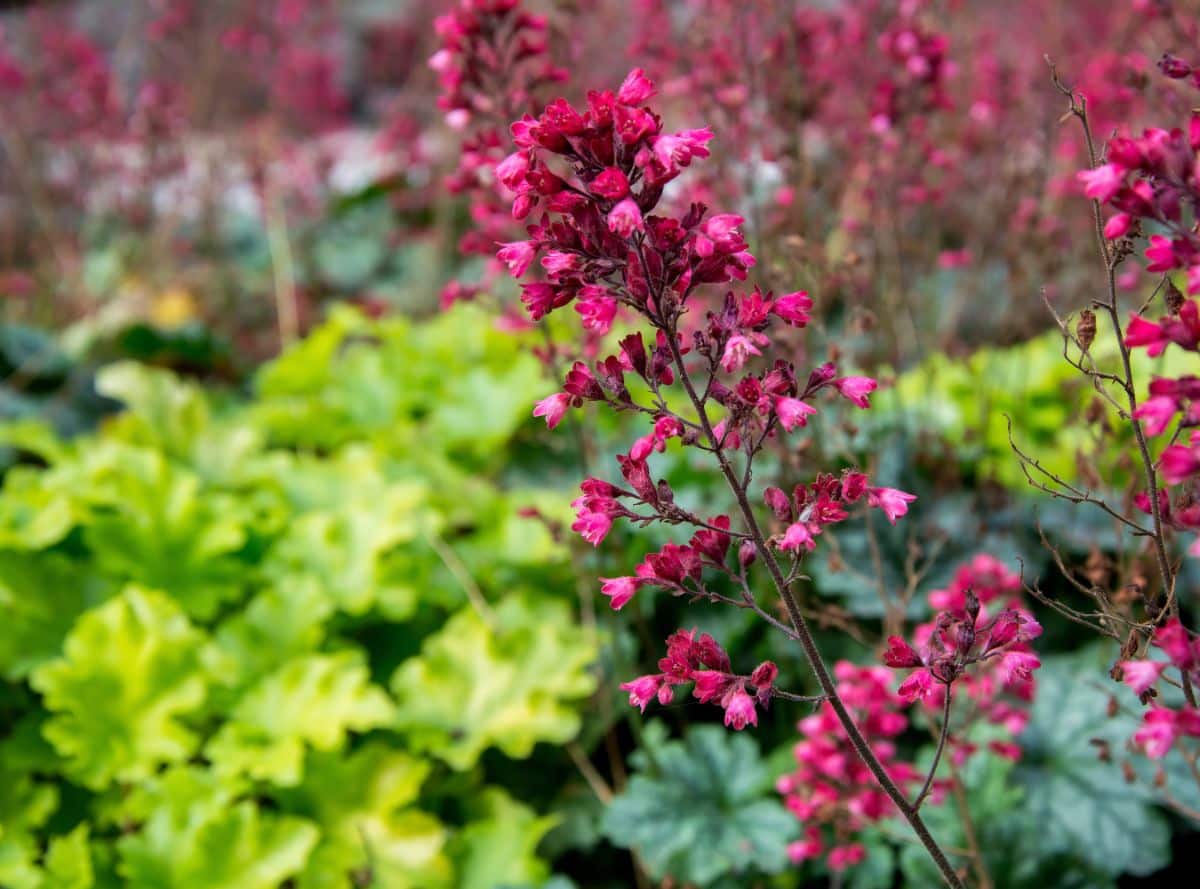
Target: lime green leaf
500, 847
69, 862
704, 810
473, 687
129, 669
197, 835
41, 595
33, 515
313, 700
361, 805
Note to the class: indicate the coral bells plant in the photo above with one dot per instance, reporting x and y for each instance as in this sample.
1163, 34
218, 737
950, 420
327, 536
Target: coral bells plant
590, 182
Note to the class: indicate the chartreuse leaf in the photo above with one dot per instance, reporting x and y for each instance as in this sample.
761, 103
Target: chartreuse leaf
196, 833
25, 805
41, 595
363, 805
129, 669
702, 810
474, 686
162, 530
33, 515
342, 547
314, 700
499, 847
68, 863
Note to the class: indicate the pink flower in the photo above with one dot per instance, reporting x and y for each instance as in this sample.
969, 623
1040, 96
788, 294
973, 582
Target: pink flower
1141, 675
710, 684
740, 712
619, 590
793, 307
642, 690
1018, 666
1162, 254
918, 686
798, 535
856, 389
1178, 463
1156, 413
517, 255
1140, 332
597, 312
636, 88
1157, 733
1118, 226
592, 526
842, 857
1103, 182
737, 352
553, 408
810, 847
511, 171
625, 218
610, 183
764, 675
792, 412
894, 503
900, 654
1176, 642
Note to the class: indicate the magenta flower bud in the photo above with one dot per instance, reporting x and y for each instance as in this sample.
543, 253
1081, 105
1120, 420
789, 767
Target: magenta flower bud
1103, 182
747, 553
856, 389
764, 675
710, 684
917, 687
1141, 675
854, 485
900, 654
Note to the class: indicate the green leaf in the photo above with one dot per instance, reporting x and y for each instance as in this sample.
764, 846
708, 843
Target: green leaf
129, 670
314, 700
1082, 804
472, 688
362, 805
702, 809
196, 834
69, 862
499, 848
33, 515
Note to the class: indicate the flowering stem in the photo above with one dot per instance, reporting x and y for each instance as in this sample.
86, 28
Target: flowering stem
937, 756
804, 635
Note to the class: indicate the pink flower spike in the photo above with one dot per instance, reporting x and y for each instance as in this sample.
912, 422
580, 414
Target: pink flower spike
894, 503
856, 389
792, 412
740, 712
553, 408
1141, 675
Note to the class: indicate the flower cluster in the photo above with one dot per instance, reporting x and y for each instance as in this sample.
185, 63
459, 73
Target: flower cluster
982, 651
1163, 724
702, 661
492, 61
832, 792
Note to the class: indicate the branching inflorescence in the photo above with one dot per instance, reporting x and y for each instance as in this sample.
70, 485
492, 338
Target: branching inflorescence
598, 176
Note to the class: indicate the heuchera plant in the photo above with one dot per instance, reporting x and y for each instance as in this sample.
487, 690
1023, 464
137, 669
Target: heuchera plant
597, 176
